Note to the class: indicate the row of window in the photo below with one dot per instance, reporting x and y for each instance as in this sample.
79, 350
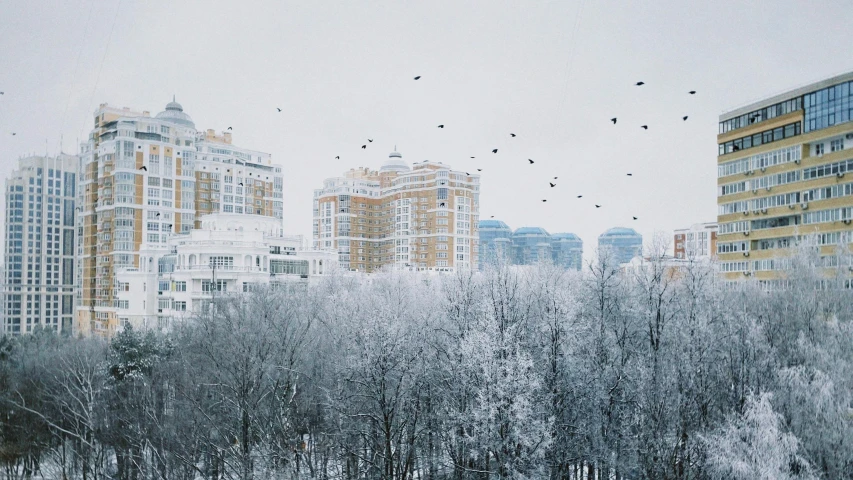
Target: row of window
762, 138
761, 160
766, 113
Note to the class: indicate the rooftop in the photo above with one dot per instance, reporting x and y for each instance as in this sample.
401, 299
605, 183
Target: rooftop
531, 231
492, 224
619, 232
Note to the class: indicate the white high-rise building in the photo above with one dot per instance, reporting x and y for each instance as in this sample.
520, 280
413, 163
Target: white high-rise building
39, 249
146, 178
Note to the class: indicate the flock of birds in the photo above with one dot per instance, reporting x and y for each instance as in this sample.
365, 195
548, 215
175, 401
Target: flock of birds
530, 160
495, 150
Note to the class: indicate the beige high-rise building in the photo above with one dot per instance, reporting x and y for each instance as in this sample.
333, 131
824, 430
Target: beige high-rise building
420, 217
782, 174
144, 178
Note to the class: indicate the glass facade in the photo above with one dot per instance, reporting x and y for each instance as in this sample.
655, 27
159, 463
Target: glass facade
530, 245
829, 106
489, 231
567, 250
625, 243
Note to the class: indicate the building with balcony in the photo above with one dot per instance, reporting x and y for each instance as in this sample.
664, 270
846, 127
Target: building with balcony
420, 217
697, 241
146, 178
783, 171
229, 254
39, 252
624, 243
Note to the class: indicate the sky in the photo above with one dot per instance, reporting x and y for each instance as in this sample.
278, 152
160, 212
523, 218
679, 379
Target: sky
552, 72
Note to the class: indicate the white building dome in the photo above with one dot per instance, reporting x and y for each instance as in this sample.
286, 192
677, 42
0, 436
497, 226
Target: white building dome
174, 113
395, 163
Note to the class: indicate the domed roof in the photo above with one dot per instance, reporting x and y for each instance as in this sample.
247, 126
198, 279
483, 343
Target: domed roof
174, 113
395, 163
565, 236
531, 231
620, 231
492, 224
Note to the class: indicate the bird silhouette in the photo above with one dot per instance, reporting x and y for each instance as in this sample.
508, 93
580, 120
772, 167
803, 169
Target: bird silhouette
466, 173
492, 216
495, 151
143, 168
479, 169
229, 128
684, 118
530, 160
634, 218
441, 126
369, 140
692, 92
418, 77
544, 200
630, 174
473, 157
338, 157
552, 184
364, 146
597, 206
512, 135
640, 83
613, 120
580, 196
157, 214
645, 127
241, 184
555, 178
13, 134
278, 109
1, 93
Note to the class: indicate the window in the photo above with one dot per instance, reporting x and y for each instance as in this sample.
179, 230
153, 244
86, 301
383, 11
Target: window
221, 261
208, 286
180, 286
836, 145
180, 306
818, 149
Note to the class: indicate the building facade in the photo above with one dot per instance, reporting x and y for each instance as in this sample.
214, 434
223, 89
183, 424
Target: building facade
229, 254
145, 178
567, 250
490, 233
697, 241
625, 243
530, 245
782, 170
39, 250
420, 217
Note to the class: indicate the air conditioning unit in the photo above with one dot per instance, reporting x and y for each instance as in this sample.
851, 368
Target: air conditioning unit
750, 172
746, 212
846, 222
763, 210
755, 212
804, 205
797, 161
746, 274
755, 190
763, 169
839, 174
849, 136
768, 188
746, 234
745, 254
791, 206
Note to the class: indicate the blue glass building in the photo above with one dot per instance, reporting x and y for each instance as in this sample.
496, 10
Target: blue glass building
567, 250
626, 243
490, 231
530, 245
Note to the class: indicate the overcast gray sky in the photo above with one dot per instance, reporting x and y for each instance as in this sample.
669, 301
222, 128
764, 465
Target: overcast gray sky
552, 72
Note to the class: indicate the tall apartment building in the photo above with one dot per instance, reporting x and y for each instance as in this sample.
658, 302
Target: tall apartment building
625, 243
782, 170
39, 252
421, 217
697, 241
145, 178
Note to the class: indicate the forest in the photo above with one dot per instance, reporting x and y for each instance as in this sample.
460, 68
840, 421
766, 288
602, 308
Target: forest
509, 373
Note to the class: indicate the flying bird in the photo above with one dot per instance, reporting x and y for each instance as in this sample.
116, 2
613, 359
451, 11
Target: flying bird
512, 135
613, 120
645, 127
364, 146
479, 169
229, 128
552, 184
597, 206
555, 178
466, 173
640, 83
418, 77
157, 214
278, 109
241, 184
635, 218
495, 151
684, 118
369, 140
530, 160
492, 216
692, 92
13, 134
441, 126
544, 200
630, 174
338, 157
473, 157
143, 168
1, 93
580, 196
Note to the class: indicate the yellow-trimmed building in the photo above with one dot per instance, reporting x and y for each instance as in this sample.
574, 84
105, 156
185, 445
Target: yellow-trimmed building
785, 171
